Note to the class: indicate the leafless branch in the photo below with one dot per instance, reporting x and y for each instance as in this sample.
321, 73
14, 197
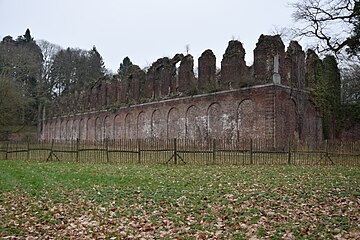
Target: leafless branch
330, 21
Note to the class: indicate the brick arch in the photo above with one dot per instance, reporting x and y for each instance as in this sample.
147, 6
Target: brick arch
130, 127
312, 124
293, 122
52, 130
250, 124
69, 125
117, 127
76, 129
63, 130
108, 128
44, 130
195, 125
143, 129
46, 134
175, 124
99, 130
82, 129
214, 120
158, 129
90, 129
287, 117
58, 130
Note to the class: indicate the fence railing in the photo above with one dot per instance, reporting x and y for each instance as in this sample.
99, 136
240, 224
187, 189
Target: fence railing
179, 151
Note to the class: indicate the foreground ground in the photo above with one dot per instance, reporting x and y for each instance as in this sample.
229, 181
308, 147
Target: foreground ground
79, 201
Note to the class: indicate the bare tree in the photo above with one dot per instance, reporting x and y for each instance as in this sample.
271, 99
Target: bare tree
336, 23
49, 51
351, 84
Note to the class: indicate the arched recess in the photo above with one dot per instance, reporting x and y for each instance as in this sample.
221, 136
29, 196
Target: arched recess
98, 129
117, 127
76, 129
82, 129
53, 130
50, 128
195, 124
130, 127
57, 130
63, 130
311, 124
69, 125
175, 124
158, 129
90, 129
286, 121
143, 129
250, 124
44, 130
292, 121
215, 127
108, 128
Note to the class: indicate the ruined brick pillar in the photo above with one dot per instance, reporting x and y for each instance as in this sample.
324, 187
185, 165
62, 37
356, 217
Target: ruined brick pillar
123, 91
233, 66
135, 78
207, 72
295, 66
103, 94
160, 78
165, 74
93, 97
174, 73
149, 84
112, 90
159, 72
187, 82
268, 49
152, 83
313, 69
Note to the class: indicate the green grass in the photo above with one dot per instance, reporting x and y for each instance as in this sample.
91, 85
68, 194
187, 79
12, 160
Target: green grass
72, 200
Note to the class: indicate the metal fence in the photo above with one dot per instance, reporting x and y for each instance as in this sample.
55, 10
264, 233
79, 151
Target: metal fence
179, 151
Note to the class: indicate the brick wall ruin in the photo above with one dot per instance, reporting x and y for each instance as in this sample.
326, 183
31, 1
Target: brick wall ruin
267, 100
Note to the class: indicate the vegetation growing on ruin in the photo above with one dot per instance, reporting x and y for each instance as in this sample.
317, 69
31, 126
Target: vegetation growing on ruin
34, 74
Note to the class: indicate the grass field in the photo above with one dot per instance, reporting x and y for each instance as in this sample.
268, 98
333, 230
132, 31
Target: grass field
98, 201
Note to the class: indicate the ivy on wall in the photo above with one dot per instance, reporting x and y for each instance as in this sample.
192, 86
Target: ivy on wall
326, 92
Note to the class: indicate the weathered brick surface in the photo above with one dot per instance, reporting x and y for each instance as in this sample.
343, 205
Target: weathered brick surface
237, 114
135, 79
164, 101
233, 67
187, 83
313, 67
207, 72
161, 80
266, 49
295, 66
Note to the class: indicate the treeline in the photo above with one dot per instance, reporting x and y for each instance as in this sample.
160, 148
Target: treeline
34, 73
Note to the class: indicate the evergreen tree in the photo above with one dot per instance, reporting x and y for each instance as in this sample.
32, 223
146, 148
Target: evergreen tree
126, 63
21, 62
97, 64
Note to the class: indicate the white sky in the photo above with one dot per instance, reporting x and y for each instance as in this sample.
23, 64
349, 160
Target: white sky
145, 30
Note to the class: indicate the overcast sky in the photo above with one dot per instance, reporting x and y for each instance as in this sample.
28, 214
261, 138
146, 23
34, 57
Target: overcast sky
145, 30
